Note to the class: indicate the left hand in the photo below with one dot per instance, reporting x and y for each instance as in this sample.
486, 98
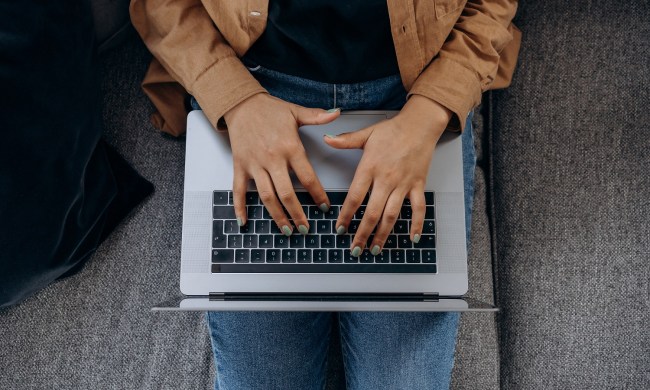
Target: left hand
395, 162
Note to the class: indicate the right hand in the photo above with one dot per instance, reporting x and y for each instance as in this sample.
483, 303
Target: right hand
263, 133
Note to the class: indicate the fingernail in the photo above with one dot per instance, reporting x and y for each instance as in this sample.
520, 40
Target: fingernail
286, 230
331, 110
416, 238
303, 229
356, 251
324, 207
239, 222
330, 136
375, 250
340, 230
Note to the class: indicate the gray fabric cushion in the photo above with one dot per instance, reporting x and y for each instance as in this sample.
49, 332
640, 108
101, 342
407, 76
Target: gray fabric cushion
95, 329
571, 190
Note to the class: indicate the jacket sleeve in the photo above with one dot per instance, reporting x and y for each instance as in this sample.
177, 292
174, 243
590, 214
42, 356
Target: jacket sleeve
468, 62
183, 37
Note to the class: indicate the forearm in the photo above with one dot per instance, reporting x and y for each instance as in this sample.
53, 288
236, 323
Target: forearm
182, 36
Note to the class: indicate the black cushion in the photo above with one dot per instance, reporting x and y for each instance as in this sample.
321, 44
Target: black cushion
61, 189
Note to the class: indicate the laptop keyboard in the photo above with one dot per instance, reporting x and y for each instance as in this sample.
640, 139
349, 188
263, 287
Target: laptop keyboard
262, 246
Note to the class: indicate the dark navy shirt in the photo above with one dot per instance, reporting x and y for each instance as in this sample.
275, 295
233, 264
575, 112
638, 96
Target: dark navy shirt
331, 41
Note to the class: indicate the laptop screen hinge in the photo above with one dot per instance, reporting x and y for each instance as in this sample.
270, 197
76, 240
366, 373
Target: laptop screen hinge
217, 296
431, 297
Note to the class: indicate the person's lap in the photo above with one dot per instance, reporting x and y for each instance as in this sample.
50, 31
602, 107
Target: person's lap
381, 350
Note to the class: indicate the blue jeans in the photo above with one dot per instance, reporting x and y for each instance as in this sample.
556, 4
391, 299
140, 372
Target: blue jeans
278, 350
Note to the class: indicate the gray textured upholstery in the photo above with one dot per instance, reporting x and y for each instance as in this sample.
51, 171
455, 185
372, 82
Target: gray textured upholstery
571, 153
562, 199
95, 330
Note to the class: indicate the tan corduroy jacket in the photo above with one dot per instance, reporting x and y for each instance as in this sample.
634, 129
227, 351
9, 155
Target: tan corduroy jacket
447, 50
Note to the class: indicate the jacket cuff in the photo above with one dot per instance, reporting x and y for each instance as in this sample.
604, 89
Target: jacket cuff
452, 85
222, 86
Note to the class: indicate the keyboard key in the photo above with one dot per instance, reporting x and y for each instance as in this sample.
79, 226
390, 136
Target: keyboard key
428, 256
248, 228
223, 255
220, 197
412, 256
262, 226
383, 257
273, 256
252, 198
257, 256
319, 256
304, 198
223, 212
335, 256
230, 227
429, 214
218, 238
397, 256
428, 198
406, 212
315, 213
250, 241
235, 241
401, 227
324, 227
391, 241
242, 256
280, 241
348, 258
336, 198
404, 241
366, 257
230, 198
265, 213
343, 241
275, 229
427, 241
353, 226
327, 241
325, 268
265, 241
304, 256
297, 241
360, 212
312, 242
332, 213
312, 227
288, 255
429, 227
255, 212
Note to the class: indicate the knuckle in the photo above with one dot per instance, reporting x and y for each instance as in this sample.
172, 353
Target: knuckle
308, 180
285, 196
266, 196
372, 216
391, 217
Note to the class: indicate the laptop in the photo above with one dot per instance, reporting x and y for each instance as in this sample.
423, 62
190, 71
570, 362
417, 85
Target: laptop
256, 267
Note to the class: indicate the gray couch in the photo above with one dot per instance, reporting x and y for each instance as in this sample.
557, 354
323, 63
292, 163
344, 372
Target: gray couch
560, 231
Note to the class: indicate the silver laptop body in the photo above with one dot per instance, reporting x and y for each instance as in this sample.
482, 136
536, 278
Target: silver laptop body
208, 168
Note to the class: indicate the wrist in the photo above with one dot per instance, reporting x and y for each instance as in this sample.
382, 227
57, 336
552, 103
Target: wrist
422, 112
240, 107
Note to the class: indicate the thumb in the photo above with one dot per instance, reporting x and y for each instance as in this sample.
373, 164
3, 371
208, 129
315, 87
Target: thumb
314, 116
352, 140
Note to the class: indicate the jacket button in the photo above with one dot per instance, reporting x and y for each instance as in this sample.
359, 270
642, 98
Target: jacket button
255, 13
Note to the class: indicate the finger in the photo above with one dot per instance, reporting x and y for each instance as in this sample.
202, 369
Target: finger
307, 176
356, 194
352, 140
371, 217
239, 187
418, 207
287, 196
388, 218
314, 116
266, 192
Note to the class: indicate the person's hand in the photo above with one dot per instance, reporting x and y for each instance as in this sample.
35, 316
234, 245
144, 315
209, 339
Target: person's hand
263, 133
396, 157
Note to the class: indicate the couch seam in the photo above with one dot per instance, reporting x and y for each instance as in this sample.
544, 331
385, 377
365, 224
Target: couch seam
489, 124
